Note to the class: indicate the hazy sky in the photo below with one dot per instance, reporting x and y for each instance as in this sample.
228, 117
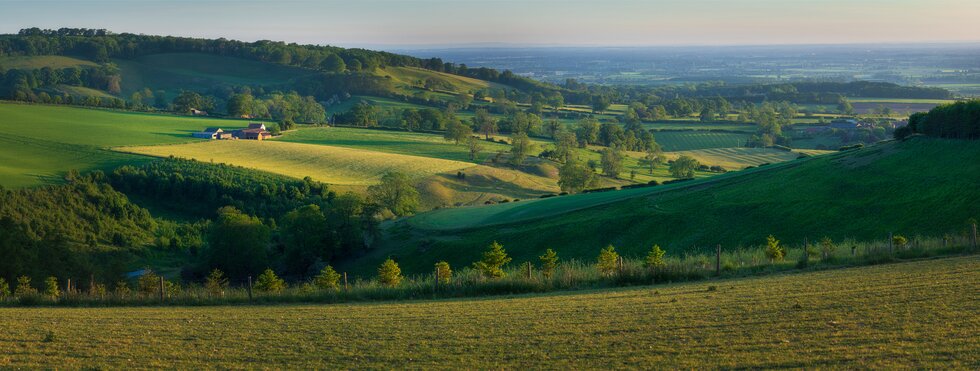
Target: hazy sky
548, 22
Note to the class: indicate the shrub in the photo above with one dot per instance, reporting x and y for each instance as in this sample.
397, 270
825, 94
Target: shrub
328, 279
774, 251
900, 241
444, 272
389, 274
216, 283
493, 261
549, 262
51, 289
655, 258
607, 261
4, 289
148, 284
122, 289
24, 287
268, 281
827, 247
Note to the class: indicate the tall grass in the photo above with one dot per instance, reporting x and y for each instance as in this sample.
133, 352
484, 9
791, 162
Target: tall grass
570, 275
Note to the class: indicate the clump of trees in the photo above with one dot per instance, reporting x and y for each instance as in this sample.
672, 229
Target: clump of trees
960, 120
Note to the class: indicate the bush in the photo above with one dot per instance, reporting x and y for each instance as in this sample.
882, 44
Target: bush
4, 289
328, 279
389, 274
24, 287
148, 284
900, 241
51, 289
444, 272
122, 289
655, 258
827, 247
493, 261
268, 281
216, 283
773, 251
549, 262
608, 260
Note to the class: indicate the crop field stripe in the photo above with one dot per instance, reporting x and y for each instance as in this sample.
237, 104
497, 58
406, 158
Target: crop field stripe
918, 314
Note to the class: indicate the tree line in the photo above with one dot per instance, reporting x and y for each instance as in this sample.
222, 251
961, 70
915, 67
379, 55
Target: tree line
960, 120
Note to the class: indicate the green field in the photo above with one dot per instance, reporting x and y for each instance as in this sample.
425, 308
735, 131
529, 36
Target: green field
917, 314
328, 164
37, 62
738, 158
198, 71
398, 142
922, 186
44, 142
672, 141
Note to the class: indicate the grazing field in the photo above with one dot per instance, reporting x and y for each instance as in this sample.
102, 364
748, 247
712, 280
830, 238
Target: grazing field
409, 78
199, 71
43, 142
328, 164
672, 141
41, 61
919, 314
845, 195
695, 125
398, 142
737, 158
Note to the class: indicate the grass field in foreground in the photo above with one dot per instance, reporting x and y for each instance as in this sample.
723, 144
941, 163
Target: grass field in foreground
328, 164
921, 314
41, 142
398, 142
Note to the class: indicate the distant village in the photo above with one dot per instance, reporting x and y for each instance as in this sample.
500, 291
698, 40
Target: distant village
254, 131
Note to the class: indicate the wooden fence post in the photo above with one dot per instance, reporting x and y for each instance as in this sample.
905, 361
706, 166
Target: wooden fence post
891, 243
806, 250
529, 270
718, 260
249, 288
161, 288
619, 263
436, 274
68, 287
346, 287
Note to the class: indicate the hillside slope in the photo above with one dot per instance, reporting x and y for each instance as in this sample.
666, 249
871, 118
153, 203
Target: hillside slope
784, 321
921, 186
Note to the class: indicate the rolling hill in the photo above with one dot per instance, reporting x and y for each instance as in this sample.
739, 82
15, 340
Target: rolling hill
917, 187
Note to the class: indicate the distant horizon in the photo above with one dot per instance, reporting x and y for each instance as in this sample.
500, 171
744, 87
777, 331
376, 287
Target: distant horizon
427, 24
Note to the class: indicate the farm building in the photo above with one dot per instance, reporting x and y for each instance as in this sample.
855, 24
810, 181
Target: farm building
253, 132
212, 133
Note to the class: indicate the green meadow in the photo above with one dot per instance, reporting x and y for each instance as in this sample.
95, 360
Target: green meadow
918, 187
388, 141
44, 142
917, 314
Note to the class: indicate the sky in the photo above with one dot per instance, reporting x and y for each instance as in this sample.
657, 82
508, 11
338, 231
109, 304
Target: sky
454, 23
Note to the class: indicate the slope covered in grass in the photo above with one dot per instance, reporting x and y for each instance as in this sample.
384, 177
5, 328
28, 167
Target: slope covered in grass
41, 143
922, 186
41, 61
808, 320
199, 71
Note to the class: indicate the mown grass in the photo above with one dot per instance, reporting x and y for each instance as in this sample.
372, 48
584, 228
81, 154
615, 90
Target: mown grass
43, 142
672, 141
328, 164
737, 158
908, 315
387, 141
918, 187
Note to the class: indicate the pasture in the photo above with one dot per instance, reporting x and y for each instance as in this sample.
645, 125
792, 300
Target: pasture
792, 200
737, 158
41, 61
199, 71
43, 142
328, 164
387, 141
672, 141
917, 314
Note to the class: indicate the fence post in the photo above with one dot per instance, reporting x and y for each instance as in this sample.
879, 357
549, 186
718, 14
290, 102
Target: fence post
619, 263
436, 274
718, 260
68, 288
249, 288
161, 288
346, 288
891, 243
974, 236
529, 270
854, 251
